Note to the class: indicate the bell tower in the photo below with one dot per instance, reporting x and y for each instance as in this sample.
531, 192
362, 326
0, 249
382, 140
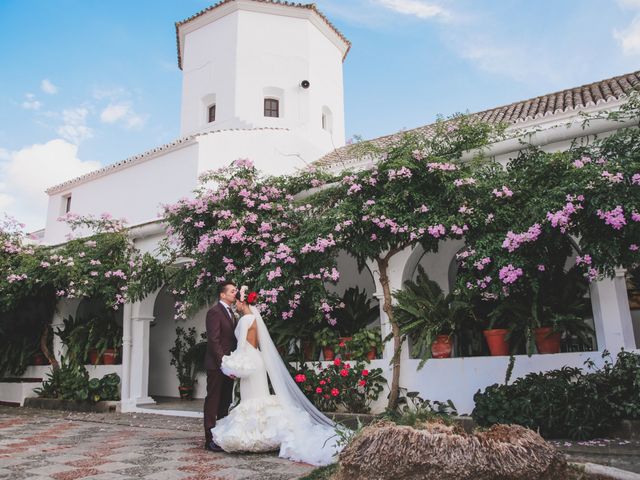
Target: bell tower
253, 64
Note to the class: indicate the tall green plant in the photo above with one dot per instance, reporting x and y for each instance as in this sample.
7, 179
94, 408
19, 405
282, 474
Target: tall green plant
357, 312
187, 355
423, 312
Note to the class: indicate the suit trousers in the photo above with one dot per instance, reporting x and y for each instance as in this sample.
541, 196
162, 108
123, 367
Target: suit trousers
217, 401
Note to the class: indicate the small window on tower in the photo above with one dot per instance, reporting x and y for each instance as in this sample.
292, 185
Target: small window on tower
271, 107
66, 203
212, 113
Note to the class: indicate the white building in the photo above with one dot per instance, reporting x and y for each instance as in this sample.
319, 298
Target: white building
263, 80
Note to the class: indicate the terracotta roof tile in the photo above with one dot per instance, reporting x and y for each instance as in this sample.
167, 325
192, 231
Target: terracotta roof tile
307, 6
576, 98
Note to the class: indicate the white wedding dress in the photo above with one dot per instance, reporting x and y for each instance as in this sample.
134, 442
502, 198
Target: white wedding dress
263, 422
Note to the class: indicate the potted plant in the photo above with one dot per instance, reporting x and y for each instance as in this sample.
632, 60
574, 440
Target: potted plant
74, 335
355, 314
366, 344
560, 310
187, 356
428, 317
104, 340
327, 338
509, 326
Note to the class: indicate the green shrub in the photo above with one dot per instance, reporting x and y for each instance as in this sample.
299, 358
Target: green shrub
567, 402
71, 382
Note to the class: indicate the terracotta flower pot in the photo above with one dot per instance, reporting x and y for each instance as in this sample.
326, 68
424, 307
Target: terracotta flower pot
441, 347
328, 353
39, 359
496, 339
372, 354
546, 341
186, 393
109, 356
93, 357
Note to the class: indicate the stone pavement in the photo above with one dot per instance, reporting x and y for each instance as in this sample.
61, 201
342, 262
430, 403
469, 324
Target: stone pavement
40, 444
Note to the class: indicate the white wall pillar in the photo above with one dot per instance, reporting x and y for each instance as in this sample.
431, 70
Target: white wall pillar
126, 401
611, 314
138, 384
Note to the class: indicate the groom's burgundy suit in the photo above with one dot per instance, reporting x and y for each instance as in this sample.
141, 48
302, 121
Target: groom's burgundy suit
221, 341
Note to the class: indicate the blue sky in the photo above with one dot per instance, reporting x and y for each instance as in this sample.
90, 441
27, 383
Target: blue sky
85, 83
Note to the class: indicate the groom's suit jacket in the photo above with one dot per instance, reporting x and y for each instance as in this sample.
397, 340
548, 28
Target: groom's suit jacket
221, 339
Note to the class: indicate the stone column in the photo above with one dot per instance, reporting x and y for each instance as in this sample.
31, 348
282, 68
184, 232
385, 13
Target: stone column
139, 367
611, 314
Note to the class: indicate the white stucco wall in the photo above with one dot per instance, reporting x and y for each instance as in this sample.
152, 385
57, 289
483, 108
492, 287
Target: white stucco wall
134, 193
163, 380
274, 152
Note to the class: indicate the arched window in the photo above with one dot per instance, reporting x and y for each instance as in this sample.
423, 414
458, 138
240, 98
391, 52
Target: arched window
327, 119
271, 107
212, 113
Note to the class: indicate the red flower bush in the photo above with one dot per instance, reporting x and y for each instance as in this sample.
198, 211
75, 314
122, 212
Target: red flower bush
341, 386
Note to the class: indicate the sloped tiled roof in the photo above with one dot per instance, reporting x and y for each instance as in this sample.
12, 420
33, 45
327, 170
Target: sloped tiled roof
127, 162
572, 99
306, 6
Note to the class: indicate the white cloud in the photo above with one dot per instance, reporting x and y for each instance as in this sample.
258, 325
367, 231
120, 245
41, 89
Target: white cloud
629, 3
28, 172
123, 113
31, 103
629, 37
74, 127
48, 87
415, 8
113, 113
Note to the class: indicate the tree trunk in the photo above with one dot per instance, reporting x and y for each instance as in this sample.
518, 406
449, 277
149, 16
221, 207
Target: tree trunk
44, 346
394, 393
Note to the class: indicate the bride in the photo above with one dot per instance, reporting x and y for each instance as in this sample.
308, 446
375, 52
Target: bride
264, 422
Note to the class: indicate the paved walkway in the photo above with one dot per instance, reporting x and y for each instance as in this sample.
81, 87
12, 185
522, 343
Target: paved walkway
39, 444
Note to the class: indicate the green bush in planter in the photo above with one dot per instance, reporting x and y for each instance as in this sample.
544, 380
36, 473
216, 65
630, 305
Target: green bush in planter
71, 382
106, 388
566, 403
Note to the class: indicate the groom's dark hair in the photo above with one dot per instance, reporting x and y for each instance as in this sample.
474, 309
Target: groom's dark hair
222, 286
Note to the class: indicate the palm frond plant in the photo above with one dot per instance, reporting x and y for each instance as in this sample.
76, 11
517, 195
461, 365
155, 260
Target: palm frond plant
424, 312
357, 312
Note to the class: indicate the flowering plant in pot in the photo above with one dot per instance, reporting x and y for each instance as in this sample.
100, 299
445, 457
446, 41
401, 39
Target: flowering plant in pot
428, 317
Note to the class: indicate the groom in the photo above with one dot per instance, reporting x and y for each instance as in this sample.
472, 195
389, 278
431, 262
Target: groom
221, 341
